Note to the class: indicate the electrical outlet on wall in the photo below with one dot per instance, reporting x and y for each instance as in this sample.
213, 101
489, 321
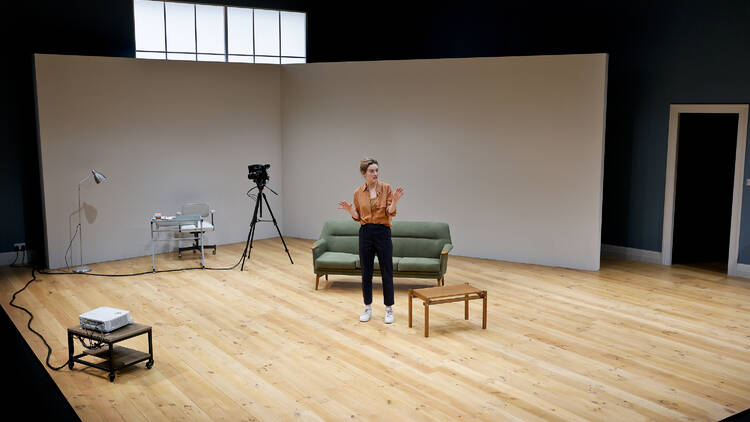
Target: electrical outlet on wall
19, 246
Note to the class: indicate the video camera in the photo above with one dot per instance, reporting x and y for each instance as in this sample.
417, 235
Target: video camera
258, 173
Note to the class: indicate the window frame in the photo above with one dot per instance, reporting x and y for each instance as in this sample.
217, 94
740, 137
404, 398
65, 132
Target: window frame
226, 53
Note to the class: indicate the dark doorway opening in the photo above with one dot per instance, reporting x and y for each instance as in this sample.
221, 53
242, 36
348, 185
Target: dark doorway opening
706, 149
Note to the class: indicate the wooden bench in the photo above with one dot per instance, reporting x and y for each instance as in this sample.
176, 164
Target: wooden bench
448, 294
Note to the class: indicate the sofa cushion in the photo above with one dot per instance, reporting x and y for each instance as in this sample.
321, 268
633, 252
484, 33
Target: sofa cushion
421, 230
340, 228
346, 244
419, 264
338, 260
417, 248
419, 239
395, 263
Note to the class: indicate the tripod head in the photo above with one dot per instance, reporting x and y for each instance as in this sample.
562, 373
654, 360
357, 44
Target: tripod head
260, 190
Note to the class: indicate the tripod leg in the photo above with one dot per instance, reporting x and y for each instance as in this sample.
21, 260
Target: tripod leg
248, 244
244, 252
250, 235
277, 228
250, 248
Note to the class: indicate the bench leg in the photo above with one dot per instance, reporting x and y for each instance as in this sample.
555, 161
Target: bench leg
466, 307
484, 309
410, 299
426, 319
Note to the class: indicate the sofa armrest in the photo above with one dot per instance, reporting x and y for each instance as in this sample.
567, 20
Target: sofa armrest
444, 258
446, 248
319, 248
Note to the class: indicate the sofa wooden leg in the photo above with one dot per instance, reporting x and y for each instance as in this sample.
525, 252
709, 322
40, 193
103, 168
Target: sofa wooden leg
326, 277
438, 282
317, 278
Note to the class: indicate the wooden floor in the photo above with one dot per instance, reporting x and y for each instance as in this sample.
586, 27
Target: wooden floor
631, 342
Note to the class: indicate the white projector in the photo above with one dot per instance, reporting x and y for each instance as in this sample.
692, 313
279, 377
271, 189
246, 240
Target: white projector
105, 319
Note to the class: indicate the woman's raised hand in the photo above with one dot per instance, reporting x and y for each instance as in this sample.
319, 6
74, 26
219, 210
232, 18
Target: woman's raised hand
398, 193
343, 205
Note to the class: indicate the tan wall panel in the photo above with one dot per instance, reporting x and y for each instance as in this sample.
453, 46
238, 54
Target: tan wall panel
165, 133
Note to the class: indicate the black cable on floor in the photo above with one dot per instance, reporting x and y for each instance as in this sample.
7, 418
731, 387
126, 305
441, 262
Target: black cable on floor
227, 268
31, 318
119, 275
33, 278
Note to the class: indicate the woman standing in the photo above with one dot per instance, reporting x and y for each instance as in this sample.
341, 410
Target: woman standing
374, 206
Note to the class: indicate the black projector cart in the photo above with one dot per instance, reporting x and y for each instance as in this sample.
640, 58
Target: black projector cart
115, 357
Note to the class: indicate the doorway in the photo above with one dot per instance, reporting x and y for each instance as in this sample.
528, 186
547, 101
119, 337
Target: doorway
703, 192
706, 147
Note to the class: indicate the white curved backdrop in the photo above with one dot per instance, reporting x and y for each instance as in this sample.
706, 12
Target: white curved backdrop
508, 151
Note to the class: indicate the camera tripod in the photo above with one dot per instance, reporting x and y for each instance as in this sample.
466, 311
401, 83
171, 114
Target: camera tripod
259, 210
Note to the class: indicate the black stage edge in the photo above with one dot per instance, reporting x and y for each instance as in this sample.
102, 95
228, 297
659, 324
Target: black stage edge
738, 417
29, 388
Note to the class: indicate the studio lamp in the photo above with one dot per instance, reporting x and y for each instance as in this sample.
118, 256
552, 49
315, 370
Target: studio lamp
98, 178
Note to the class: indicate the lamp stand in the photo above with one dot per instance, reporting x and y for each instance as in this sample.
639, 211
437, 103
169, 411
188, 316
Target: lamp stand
82, 268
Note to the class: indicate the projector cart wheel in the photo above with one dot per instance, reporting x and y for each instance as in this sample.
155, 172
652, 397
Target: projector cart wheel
70, 364
150, 364
111, 377
214, 251
179, 254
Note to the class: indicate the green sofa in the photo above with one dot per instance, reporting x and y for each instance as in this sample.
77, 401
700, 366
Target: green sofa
420, 250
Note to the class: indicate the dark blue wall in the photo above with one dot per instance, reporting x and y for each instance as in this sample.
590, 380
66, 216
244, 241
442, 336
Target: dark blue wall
661, 52
682, 52
11, 193
70, 27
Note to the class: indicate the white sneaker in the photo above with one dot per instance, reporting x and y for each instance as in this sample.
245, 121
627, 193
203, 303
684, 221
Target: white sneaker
365, 315
388, 318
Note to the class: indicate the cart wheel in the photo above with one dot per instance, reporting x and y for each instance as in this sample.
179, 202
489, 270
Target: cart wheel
111, 377
70, 365
214, 251
179, 254
149, 364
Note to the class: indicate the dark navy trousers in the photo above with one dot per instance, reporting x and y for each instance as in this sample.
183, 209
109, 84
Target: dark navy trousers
375, 239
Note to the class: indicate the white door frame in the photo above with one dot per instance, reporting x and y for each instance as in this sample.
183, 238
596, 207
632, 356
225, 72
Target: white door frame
739, 167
